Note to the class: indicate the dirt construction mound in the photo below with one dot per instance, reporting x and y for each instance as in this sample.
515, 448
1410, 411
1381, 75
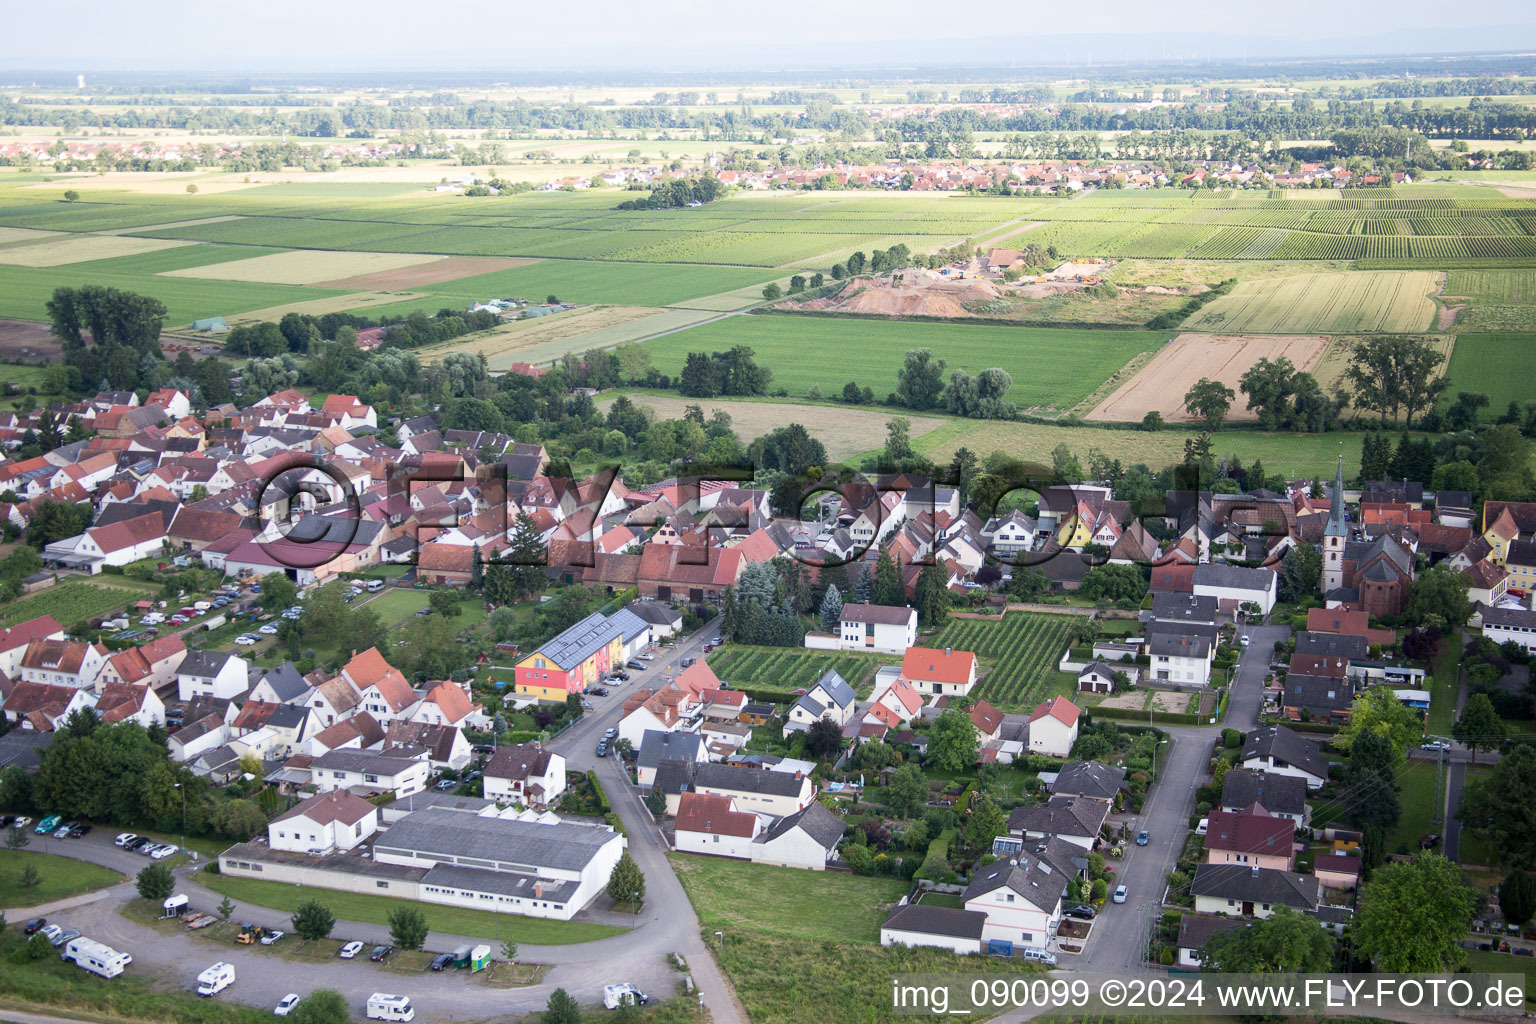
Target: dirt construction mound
903, 302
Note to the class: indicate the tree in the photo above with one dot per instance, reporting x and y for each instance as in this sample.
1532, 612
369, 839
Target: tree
1378, 711
1028, 584
772, 292
1517, 897
71, 196
527, 557
1501, 809
823, 738
1286, 942
1113, 583
932, 595
656, 801
1413, 915
278, 592
1479, 725
952, 741
1269, 386
987, 823
16, 837
1371, 801
322, 1006
1210, 400
408, 928
445, 603
626, 883
889, 589
313, 921
1300, 571
831, 610
509, 951
1389, 373
1439, 598
1152, 421
29, 878
155, 882
561, 1009
226, 908
907, 792
920, 381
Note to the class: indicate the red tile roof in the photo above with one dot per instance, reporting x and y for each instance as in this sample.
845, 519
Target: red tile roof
1250, 833
324, 808
713, 815
928, 664
1059, 708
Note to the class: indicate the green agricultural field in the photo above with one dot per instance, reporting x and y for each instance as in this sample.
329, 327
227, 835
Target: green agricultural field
1018, 654
1497, 300
1050, 368
792, 668
70, 602
1362, 302
811, 906
1487, 363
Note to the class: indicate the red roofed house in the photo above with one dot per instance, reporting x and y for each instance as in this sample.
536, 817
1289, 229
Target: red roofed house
130, 702
932, 671
1173, 579
154, 664
1253, 837
385, 693
712, 824
445, 564
987, 720
444, 704
14, 641
895, 705
350, 412
326, 822
41, 707
1053, 728
63, 663
1347, 623
118, 544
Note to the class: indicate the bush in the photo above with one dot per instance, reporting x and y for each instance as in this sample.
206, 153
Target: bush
155, 882
313, 920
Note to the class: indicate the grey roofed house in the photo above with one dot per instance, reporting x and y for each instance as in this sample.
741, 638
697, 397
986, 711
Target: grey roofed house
576, 644
1029, 875
1284, 746
374, 762
841, 693
1242, 883
746, 780
219, 765
1278, 794
502, 883
21, 747
1089, 778
437, 834
1509, 618
1061, 816
674, 775
119, 511
656, 745
1184, 608
286, 682
1177, 645
1237, 577
657, 613
1320, 695
1195, 929
813, 819
1332, 645
628, 624
935, 920
889, 615
203, 664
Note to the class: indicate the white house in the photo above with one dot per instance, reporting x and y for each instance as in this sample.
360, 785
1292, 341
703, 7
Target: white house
936, 672
1501, 625
63, 663
895, 702
777, 794
1021, 898
1010, 534
43, 706
324, 823
806, 839
1236, 585
373, 770
873, 627
829, 698
524, 774
130, 702
120, 543
212, 674
1053, 727
712, 825
14, 641
1181, 658
1278, 750
920, 924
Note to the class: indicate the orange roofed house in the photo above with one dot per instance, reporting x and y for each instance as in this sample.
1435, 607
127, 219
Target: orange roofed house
931, 671
572, 661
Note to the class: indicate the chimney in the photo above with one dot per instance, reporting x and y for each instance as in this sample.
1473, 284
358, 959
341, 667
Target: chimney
1255, 871
947, 652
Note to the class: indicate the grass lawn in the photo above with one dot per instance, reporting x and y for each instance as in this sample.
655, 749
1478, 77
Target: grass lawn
1416, 785
1505, 963
367, 908
829, 906
1442, 702
395, 607
61, 876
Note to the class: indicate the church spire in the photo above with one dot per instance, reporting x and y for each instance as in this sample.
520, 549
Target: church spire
1336, 526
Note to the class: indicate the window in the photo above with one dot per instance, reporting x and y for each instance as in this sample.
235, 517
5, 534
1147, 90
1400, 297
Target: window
381, 885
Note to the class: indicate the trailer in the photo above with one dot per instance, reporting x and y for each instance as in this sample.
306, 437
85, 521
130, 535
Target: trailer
216, 979
95, 957
480, 958
174, 907
382, 1006
622, 994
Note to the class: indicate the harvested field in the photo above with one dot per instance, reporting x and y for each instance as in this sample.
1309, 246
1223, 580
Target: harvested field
1357, 302
845, 432
24, 340
513, 342
446, 268
359, 302
58, 252
23, 236
306, 266
1161, 384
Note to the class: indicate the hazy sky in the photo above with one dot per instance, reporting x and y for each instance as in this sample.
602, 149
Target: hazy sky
316, 35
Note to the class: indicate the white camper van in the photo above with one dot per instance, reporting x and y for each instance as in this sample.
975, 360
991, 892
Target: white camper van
615, 996
216, 979
95, 957
382, 1006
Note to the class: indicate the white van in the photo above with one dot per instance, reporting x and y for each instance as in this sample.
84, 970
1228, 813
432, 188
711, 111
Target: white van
374, 586
1039, 956
95, 957
382, 1006
216, 979
615, 996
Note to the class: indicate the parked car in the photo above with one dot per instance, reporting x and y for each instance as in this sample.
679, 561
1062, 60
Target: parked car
64, 936
1435, 745
602, 748
638, 666
271, 937
80, 831
48, 824
350, 950
1244, 640
163, 852
21, 821
587, 705
53, 931
688, 662
286, 1005
610, 734
246, 640
124, 838
65, 829
441, 961
1429, 840
380, 952
1120, 894
600, 691
1142, 838
34, 926
178, 620
444, 785
1084, 912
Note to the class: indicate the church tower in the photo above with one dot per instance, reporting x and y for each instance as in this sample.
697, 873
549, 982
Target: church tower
1335, 535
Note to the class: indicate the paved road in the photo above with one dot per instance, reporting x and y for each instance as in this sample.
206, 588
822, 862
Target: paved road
1455, 779
1120, 932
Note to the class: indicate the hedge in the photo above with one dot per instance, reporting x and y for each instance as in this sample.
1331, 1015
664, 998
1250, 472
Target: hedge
965, 799
1135, 715
936, 862
597, 789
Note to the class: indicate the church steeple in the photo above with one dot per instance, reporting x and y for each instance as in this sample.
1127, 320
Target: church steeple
1336, 526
